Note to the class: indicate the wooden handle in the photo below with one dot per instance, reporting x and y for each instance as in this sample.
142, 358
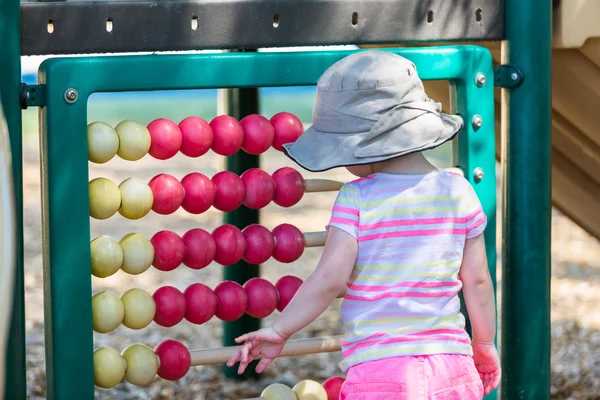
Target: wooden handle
220, 355
315, 239
321, 185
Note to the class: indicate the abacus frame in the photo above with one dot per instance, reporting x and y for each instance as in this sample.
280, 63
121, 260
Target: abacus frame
65, 203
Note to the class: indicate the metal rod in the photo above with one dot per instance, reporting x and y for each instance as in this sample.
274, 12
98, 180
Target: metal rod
10, 85
525, 339
327, 344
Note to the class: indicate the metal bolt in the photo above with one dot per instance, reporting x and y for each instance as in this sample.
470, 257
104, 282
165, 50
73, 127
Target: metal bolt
514, 76
480, 79
477, 121
478, 174
71, 95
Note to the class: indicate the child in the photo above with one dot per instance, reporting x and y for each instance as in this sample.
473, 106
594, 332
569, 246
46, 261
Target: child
404, 239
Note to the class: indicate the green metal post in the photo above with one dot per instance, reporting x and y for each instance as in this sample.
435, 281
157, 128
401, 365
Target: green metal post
525, 339
10, 81
241, 102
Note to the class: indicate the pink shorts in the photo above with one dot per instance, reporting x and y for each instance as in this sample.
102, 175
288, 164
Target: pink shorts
435, 377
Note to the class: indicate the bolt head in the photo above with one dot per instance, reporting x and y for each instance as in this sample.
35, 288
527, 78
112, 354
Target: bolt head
478, 174
480, 79
71, 95
514, 76
477, 121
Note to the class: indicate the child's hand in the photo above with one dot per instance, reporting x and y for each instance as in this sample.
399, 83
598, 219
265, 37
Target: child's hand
265, 342
487, 362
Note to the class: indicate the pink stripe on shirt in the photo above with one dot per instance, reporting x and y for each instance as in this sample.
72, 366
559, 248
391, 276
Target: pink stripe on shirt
399, 295
413, 222
428, 285
425, 336
423, 232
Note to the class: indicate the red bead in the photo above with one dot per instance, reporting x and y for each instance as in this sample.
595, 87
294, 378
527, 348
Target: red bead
200, 248
260, 244
288, 129
287, 286
197, 136
230, 191
289, 243
169, 250
289, 187
230, 244
168, 194
170, 306
262, 297
166, 138
175, 359
199, 193
231, 301
228, 135
258, 134
201, 303
260, 188
333, 387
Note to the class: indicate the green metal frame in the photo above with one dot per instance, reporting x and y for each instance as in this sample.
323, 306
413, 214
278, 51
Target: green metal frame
69, 339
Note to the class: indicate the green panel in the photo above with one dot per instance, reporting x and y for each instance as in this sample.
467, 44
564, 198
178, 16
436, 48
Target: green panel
10, 83
525, 339
66, 218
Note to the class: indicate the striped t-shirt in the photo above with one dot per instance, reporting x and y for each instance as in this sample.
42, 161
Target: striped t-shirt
402, 297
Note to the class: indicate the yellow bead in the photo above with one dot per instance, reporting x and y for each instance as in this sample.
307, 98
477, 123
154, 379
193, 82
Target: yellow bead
139, 308
278, 391
136, 198
103, 142
107, 311
105, 198
107, 256
138, 253
310, 390
109, 367
134, 140
142, 364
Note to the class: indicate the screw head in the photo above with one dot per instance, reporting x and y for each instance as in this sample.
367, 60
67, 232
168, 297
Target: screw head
71, 95
514, 76
478, 174
477, 121
480, 79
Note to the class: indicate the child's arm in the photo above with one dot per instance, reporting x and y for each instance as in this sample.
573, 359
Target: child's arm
479, 298
322, 286
478, 290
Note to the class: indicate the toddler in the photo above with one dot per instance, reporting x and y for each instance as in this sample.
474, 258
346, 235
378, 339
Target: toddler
403, 240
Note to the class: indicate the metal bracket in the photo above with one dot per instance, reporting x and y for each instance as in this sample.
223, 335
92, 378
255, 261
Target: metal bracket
32, 96
507, 76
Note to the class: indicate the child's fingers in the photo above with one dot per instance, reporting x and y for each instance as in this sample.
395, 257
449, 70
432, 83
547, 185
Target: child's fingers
234, 358
242, 338
263, 364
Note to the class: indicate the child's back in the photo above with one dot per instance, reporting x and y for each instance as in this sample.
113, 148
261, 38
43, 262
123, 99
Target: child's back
402, 296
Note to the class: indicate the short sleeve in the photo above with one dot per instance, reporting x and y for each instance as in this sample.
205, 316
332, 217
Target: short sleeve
476, 220
345, 213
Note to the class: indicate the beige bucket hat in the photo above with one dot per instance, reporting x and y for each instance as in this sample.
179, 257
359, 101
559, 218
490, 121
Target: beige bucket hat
370, 107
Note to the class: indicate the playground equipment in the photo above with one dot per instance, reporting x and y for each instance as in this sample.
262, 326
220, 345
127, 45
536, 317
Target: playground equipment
65, 85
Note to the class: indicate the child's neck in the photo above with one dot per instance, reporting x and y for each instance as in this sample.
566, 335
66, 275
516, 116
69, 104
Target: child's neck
411, 164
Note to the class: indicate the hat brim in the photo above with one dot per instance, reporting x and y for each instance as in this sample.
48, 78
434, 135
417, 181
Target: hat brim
317, 151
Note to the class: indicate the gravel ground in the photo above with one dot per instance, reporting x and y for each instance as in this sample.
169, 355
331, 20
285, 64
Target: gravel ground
575, 290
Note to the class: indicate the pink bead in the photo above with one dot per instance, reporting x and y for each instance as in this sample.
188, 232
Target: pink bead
231, 301
289, 243
289, 187
169, 250
230, 244
200, 193
197, 136
333, 387
170, 306
260, 188
262, 297
168, 194
230, 191
166, 138
175, 359
288, 129
200, 248
201, 303
260, 244
258, 134
287, 286
228, 135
